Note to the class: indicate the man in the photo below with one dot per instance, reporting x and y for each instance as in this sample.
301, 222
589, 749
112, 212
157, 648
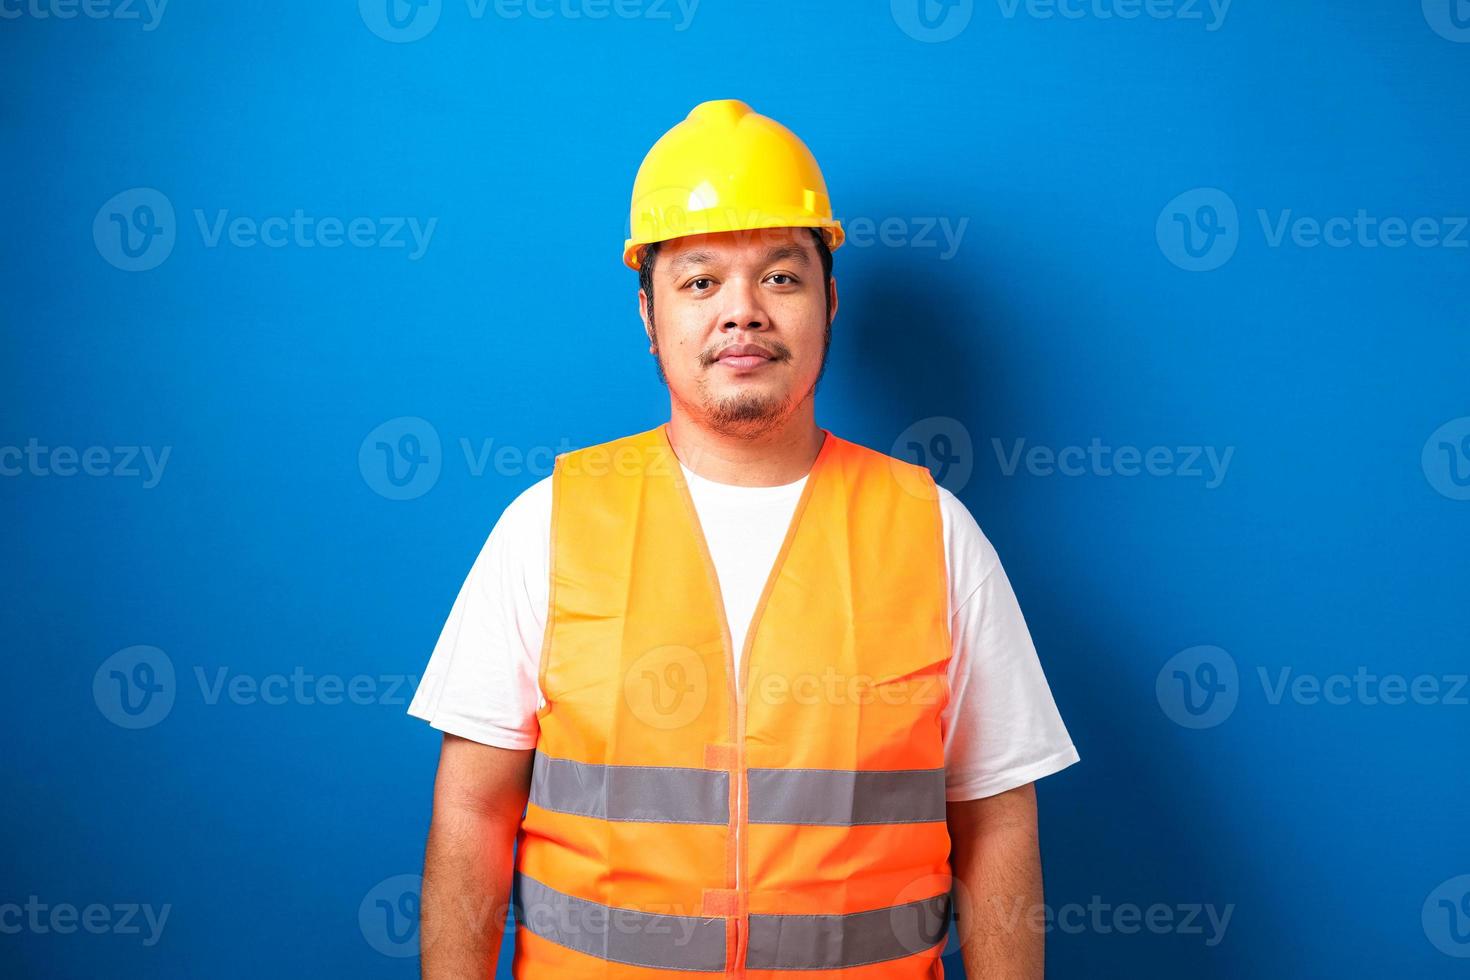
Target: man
768, 693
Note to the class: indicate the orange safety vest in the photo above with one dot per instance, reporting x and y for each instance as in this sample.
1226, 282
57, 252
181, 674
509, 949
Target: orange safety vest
786, 823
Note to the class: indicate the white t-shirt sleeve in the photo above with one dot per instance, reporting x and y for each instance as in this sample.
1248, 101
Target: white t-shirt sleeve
1001, 726
481, 680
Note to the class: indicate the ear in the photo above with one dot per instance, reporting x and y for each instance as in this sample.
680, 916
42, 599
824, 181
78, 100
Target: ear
643, 315
832, 295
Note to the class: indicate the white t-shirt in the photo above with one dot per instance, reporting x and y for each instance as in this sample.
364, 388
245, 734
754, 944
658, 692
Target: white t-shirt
1001, 727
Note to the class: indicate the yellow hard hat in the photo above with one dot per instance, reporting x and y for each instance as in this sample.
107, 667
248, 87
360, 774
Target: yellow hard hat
727, 168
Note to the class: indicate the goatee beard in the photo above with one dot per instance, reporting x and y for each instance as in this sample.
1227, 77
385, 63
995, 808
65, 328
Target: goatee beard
748, 414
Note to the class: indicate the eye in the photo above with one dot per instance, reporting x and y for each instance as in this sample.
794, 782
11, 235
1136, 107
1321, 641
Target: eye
708, 282
790, 280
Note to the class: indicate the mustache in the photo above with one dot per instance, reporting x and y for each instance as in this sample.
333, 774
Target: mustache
778, 350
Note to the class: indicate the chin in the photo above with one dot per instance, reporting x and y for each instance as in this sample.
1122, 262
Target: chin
746, 412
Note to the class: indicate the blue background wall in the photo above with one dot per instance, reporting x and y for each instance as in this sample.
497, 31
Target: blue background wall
1116, 184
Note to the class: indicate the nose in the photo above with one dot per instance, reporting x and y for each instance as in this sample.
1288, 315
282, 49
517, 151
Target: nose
742, 309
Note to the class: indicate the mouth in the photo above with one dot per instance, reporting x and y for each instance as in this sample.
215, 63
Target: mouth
744, 357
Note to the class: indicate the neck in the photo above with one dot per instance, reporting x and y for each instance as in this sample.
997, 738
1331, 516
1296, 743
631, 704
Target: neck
781, 454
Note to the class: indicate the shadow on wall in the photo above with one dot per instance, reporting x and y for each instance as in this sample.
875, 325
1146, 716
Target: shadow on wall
916, 338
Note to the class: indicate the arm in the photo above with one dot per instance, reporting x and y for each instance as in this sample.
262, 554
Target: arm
479, 797
997, 867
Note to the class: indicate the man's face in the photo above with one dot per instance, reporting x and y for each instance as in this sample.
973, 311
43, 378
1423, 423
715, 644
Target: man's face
740, 325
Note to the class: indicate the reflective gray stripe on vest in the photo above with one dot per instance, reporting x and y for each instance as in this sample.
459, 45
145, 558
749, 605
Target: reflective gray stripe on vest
836, 942
652, 794
663, 942
843, 798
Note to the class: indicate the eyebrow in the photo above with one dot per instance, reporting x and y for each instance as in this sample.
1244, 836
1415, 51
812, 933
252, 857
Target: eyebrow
792, 253
697, 257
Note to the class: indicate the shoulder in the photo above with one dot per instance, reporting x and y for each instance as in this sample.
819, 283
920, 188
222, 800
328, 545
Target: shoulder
855, 453
961, 525
523, 526
530, 505
615, 455
526, 520
515, 556
970, 555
